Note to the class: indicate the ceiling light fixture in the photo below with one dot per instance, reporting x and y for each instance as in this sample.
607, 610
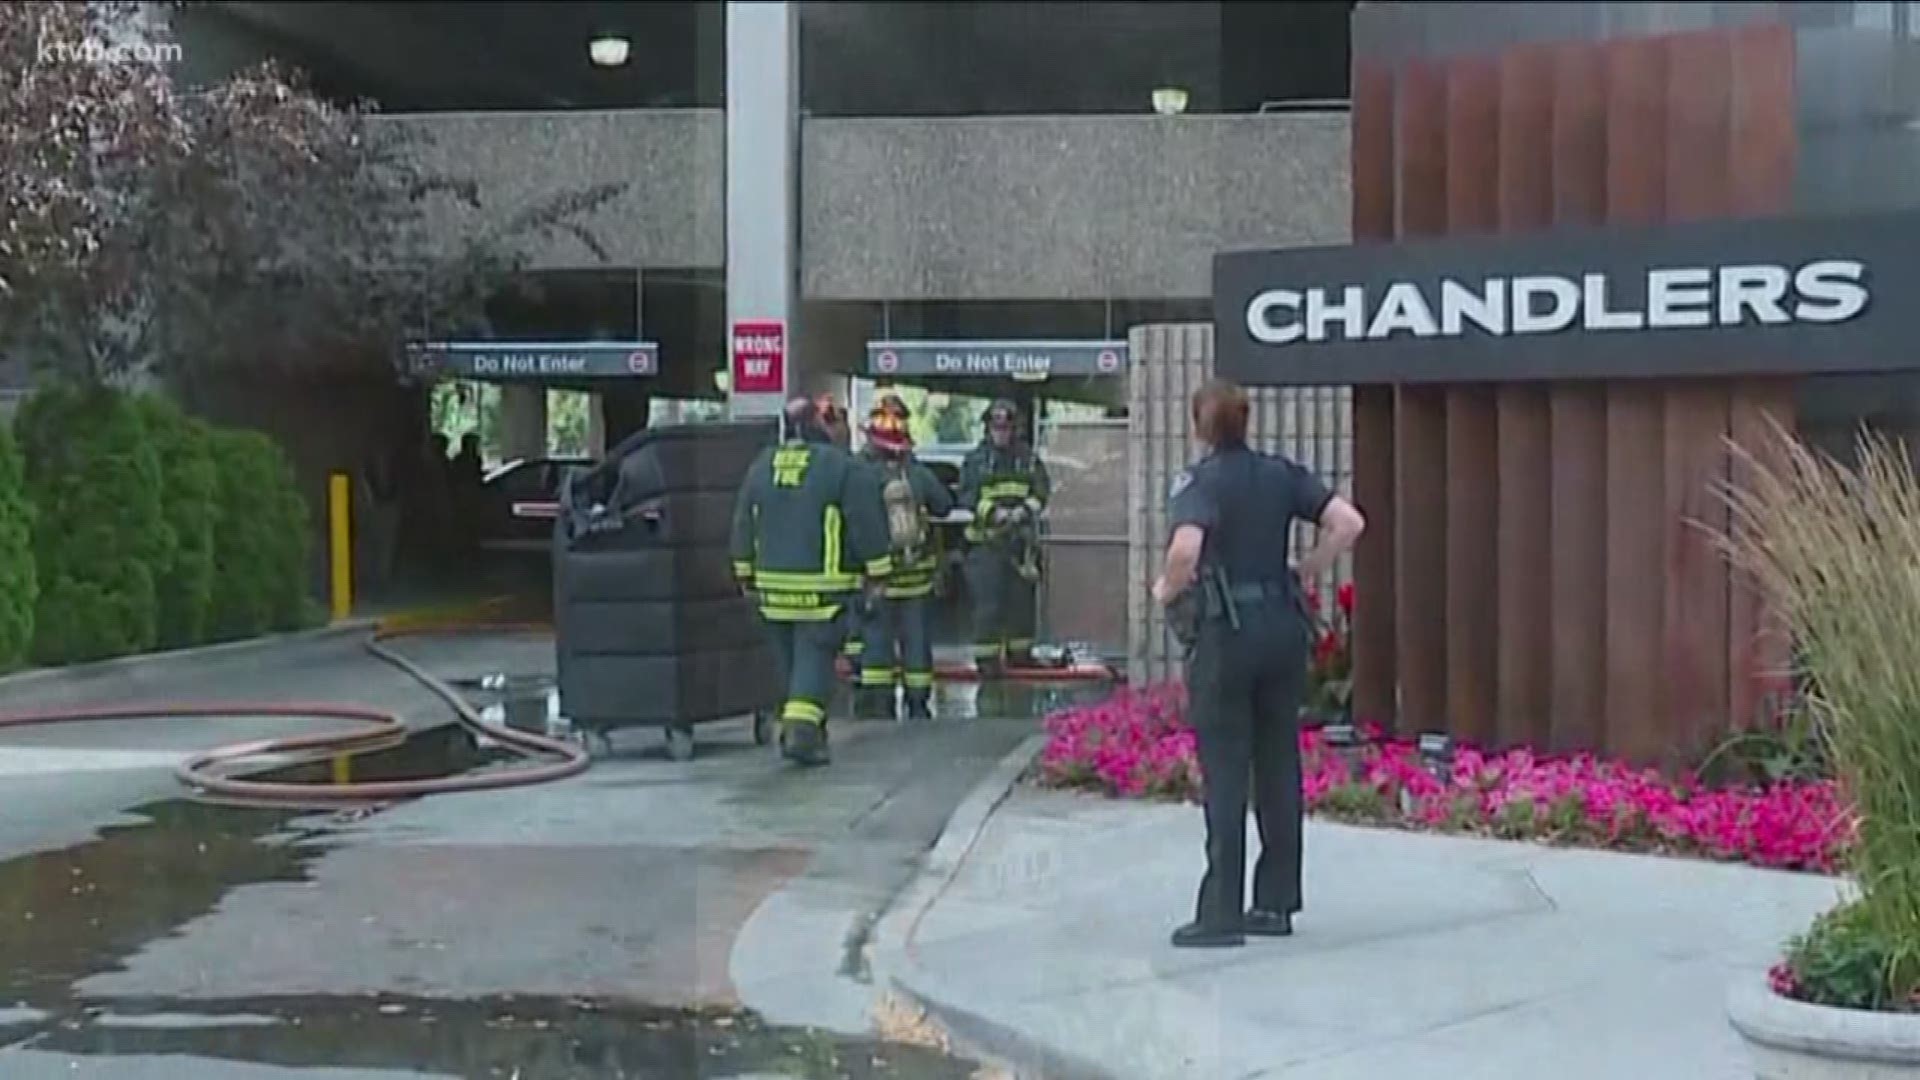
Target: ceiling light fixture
608, 50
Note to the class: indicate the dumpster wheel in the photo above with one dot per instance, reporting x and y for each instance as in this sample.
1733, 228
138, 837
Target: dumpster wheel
679, 743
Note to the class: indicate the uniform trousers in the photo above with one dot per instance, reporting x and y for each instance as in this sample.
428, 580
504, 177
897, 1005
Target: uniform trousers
1244, 689
1003, 603
806, 651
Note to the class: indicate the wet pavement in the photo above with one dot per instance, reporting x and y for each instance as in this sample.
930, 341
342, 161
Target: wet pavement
615, 925
75, 916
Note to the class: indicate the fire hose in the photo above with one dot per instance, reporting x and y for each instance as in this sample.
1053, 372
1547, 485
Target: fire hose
374, 730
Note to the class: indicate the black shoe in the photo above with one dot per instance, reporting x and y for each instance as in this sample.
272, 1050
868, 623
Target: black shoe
1198, 936
873, 705
918, 706
804, 744
1268, 923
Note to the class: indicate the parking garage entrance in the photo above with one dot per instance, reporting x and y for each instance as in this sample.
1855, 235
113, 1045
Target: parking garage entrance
473, 509
1072, 394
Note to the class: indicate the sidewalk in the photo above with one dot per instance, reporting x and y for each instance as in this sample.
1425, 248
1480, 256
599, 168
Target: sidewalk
1043, 941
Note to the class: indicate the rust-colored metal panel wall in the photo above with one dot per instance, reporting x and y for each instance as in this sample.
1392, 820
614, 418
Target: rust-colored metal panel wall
1524, 487
1636, 420
1473, 464
1376, 670
1761, 179
1577, 432
1420, 416
1549, 572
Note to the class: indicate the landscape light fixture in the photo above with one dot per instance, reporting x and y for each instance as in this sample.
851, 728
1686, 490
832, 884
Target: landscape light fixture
1436, 750
608, 50
1169, 101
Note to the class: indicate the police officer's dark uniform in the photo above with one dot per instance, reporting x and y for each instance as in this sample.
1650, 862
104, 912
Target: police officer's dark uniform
1006, 487
1245, 679
806, 513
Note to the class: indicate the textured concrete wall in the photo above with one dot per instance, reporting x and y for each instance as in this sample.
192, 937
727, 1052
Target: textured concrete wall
672, 215
1000, 208
1311, 425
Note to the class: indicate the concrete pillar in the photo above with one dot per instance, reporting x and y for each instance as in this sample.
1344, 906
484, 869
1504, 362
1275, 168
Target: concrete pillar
763, 121
523, 421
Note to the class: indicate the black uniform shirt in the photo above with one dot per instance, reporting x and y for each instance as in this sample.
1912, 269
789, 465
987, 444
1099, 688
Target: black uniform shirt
1247, 501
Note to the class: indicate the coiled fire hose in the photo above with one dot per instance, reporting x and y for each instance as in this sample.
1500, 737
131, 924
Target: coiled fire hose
375, 730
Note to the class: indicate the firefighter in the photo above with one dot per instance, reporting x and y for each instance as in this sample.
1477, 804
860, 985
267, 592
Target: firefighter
898, 634
854, 647
806, 513
1005, 486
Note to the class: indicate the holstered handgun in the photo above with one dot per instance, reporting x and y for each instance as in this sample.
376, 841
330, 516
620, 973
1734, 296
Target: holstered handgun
1220, 595
1184, 613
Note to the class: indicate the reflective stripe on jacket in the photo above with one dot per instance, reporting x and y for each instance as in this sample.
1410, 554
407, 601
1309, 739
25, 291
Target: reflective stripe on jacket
808, 523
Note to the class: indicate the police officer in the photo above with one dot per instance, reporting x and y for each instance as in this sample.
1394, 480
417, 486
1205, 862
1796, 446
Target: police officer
898, 635
1232, 513
1005, 485
806, 512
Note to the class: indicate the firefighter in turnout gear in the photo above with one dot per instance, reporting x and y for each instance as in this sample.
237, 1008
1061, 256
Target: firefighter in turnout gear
806, 513
898, 634
1004, 484
854, 647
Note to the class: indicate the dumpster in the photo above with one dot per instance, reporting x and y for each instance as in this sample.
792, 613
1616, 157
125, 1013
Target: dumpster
650, 628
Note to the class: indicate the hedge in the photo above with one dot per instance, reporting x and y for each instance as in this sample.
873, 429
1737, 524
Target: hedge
101, 537
19, 584
189, 496
262, 546
126, 525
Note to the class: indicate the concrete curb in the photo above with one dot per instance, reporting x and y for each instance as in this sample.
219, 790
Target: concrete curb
85, 673
896, 971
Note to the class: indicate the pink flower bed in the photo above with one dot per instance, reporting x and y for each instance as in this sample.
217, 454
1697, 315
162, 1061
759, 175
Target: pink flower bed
1137, 745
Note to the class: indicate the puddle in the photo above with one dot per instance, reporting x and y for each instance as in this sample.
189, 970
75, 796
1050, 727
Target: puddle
447, 750
1012, 700
69, 914
531, 1039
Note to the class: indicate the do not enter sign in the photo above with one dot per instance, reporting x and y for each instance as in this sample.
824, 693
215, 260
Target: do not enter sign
1108, 361
887, 362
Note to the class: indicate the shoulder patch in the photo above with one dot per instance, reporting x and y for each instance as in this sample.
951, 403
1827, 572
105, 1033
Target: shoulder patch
1181, 482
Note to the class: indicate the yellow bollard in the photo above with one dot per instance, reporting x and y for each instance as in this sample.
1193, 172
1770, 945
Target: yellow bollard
340, 528
342, 770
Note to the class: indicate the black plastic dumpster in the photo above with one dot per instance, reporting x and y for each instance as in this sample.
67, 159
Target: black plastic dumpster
649, 626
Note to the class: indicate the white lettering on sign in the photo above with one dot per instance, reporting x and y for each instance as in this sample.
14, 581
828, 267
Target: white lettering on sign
529, 364
1686, 297
992, 363
756, 343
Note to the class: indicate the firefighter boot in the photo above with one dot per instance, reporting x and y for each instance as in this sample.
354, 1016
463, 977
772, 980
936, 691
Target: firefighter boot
873, 703
804, 743
919, 705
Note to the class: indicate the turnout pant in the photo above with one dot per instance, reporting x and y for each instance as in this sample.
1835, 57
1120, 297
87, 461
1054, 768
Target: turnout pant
1244, 689
1003, 604
806, 653
898, 642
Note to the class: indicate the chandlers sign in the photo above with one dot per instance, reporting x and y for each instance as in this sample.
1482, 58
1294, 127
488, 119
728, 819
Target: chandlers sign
535, 360
1721, 298
997, 359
